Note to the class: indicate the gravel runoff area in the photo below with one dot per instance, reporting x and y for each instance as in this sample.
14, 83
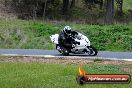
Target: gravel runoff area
65, 60
60, 60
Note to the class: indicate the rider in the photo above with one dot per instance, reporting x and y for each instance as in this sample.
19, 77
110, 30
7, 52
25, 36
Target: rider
66, 37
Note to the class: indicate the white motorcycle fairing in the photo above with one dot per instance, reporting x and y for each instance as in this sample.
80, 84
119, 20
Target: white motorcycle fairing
82, 46
79, 48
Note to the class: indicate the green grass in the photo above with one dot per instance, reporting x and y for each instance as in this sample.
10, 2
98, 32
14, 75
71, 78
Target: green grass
33, 75
35, 35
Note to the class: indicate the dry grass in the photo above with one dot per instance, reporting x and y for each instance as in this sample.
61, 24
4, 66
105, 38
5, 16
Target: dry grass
61, 60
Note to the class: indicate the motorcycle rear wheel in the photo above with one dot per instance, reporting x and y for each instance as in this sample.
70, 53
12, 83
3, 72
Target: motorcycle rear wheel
58, 48
63, 51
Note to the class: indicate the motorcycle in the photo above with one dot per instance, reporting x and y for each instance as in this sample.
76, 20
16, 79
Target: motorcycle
81, 46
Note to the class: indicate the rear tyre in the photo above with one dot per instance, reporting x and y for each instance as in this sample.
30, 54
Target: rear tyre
58, 48
93, 51
65, 52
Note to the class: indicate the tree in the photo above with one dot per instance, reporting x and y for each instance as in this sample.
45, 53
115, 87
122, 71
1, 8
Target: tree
35, 8
119, 7
101, 4
65, 7
45, 5
72, 4
109, 12
91, 3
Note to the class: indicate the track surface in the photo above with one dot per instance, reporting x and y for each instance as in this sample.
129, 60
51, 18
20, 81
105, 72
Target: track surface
37, 52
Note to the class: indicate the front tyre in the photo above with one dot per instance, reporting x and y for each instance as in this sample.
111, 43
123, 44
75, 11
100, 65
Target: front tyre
93, 51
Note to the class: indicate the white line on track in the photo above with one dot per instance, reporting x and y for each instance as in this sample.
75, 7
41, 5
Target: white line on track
79, 57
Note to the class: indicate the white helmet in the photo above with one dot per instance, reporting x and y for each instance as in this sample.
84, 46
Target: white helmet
67, 30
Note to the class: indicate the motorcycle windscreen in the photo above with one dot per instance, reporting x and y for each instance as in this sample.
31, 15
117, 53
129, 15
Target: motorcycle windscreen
54, 38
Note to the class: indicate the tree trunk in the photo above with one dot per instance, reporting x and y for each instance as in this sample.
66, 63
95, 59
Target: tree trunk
44, 12
65, 7
119, 7
72, 4
109, 12
101, 4
35, 7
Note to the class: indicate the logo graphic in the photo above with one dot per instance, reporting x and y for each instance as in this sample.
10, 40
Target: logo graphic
83, 78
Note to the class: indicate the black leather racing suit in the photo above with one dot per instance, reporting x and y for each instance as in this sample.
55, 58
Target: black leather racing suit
66, 41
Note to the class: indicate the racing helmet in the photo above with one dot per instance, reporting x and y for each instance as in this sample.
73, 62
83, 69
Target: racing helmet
67, 30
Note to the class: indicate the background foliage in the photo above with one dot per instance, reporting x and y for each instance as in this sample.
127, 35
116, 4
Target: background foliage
35, 34
80, 11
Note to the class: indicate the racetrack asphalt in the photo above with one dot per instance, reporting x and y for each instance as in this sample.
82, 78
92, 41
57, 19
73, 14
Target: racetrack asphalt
55, 53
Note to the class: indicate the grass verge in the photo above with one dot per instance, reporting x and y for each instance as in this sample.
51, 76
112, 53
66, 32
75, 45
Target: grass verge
35, 34
59, 75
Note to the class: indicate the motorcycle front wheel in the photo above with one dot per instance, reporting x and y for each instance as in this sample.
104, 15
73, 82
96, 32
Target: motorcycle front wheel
92, 51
